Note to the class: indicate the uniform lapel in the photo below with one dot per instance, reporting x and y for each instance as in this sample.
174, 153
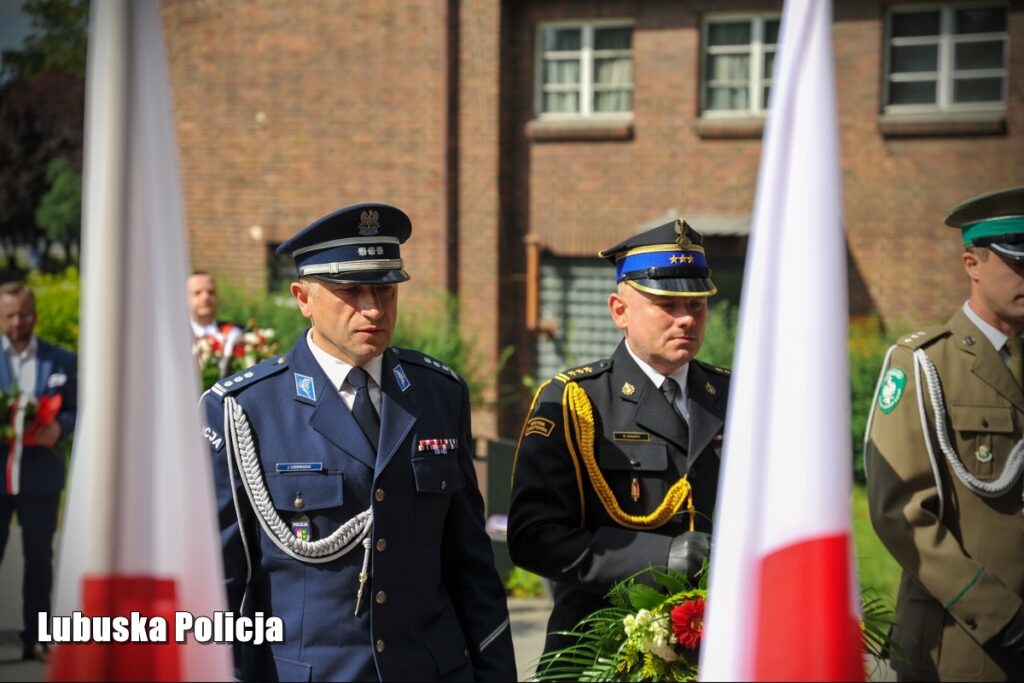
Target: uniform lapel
987, 365
330, 417
398, 412
652, 411
704, 422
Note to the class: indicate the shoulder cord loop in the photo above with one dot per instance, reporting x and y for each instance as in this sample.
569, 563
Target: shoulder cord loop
583, 429
989, 489
239, 443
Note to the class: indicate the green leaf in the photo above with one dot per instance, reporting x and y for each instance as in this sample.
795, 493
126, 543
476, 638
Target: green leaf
645, 597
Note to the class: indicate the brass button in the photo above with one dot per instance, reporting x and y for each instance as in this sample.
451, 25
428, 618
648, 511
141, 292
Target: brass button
380, 646
381, 597
444, 484
378, 495
299, 503
381, 545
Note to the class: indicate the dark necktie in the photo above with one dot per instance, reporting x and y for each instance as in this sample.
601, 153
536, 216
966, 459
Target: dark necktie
362, 407
1015, 345
671, 390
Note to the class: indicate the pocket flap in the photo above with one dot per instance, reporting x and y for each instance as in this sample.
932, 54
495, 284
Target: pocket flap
974, 418
315, 490
634, 457
438, 474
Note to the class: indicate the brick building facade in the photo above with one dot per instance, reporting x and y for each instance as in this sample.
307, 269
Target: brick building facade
289, 110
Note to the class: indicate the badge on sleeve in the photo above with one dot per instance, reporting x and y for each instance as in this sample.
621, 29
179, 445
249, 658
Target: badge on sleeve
891, 391
540, 426
304, 387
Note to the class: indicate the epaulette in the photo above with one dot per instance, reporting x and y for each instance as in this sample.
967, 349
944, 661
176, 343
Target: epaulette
246, 378
420, 358
724, 372
916, 340
585, 371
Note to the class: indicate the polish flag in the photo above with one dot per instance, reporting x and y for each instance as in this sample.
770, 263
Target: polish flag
783, 602
140, 529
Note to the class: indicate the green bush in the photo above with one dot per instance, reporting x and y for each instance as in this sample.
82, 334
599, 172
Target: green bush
720, 336
523, 584
57, 298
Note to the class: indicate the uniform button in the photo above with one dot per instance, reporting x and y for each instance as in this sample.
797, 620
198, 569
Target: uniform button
465, 651
299, 503
378, 495
971, 624
380, 646
444, 484
381, 597
381, 545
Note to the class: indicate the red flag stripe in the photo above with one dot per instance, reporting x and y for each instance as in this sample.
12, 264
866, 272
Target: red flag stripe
805, 630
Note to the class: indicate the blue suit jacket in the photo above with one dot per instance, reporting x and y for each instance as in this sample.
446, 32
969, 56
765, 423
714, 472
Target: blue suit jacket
42, 469
434, 608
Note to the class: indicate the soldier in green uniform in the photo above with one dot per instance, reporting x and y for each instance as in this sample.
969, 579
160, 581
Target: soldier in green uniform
617, 465
944, 456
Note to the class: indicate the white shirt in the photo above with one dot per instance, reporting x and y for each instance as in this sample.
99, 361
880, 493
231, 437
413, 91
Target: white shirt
997, 338
658, 379
23, 365
337, 372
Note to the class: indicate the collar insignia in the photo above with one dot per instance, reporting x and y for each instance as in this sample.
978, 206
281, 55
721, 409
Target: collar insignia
628, 389
711, 388
304, 387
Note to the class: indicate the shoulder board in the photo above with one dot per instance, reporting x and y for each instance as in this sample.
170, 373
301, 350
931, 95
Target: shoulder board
921, 338
422, 359
585, 371
725, 372
246, 378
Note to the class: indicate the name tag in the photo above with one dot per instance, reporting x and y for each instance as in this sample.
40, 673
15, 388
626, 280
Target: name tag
631, 436
284, 467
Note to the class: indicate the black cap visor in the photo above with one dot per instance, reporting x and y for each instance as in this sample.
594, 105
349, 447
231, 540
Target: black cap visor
674, 286
366, 277
1010, 247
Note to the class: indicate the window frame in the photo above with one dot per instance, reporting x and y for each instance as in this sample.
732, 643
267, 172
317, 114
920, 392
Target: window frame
944, 75
757, 51
586, 52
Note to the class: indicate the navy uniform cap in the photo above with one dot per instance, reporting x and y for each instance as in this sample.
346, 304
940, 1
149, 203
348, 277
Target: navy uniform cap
668, 260
994, 220
355, 245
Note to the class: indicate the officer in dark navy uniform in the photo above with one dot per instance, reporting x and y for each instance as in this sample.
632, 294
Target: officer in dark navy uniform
617, 465
348, 501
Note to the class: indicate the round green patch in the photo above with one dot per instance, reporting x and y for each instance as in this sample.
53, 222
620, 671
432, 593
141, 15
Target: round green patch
891, 391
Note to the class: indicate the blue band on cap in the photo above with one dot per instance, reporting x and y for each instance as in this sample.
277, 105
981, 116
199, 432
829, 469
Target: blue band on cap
683, 259
348, 253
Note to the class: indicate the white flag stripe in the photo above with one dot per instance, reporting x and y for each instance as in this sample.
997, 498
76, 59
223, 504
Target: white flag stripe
140, 499
786, 466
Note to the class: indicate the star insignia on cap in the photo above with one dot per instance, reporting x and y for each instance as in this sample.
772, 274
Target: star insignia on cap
628, 389
683, 239
369, 222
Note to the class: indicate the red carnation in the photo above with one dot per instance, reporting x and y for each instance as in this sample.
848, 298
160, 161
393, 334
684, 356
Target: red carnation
688, 622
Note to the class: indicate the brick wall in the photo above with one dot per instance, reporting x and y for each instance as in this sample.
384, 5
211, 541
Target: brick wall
287, 111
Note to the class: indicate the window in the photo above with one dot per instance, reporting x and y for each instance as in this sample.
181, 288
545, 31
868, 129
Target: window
585, 70
739, 55
949, 58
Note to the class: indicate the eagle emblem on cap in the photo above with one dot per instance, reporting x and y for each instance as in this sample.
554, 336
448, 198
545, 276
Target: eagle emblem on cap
369, 222
683, 240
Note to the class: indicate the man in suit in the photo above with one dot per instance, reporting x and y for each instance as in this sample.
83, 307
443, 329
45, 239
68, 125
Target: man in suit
617, 465
32, 478
202, 313
943, 456
348, 501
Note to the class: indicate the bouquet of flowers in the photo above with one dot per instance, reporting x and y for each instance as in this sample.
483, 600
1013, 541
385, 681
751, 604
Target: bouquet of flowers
232, 350
654, 635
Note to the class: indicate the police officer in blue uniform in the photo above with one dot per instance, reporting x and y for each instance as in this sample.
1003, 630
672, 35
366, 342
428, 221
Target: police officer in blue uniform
617, 465
347, 496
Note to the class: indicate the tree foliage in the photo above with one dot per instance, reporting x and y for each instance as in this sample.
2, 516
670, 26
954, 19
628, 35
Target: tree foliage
42, 104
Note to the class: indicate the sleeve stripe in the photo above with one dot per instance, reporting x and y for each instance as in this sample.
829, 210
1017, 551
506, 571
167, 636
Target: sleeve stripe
967, 586
497, 632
